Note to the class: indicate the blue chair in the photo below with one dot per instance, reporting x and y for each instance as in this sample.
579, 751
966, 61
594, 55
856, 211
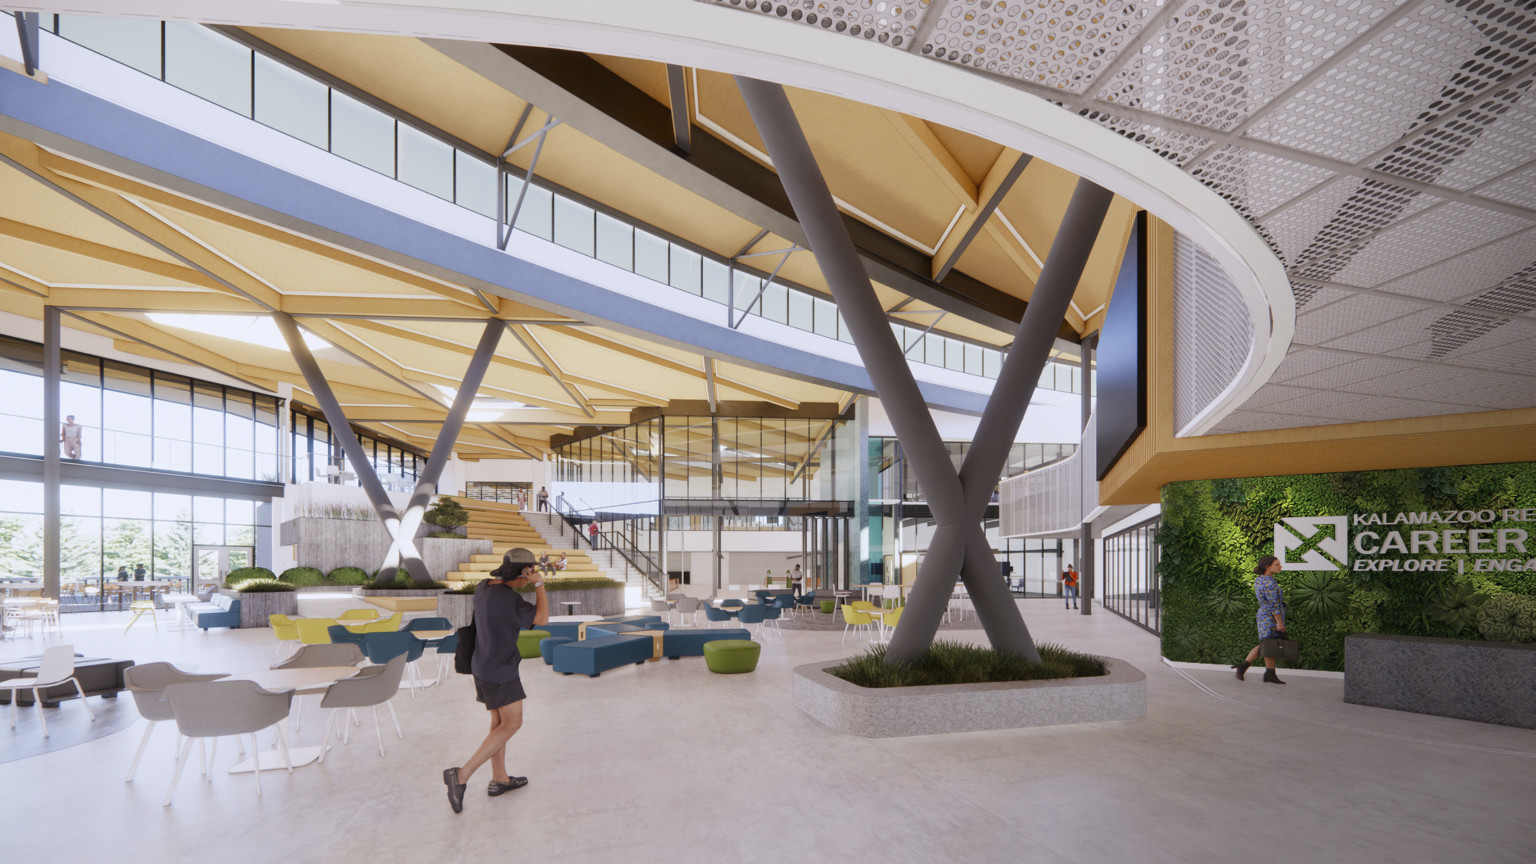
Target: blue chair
771, 615
808, 600
340, 634
427, 624
754, 613
382, 647
446, 649
712, 614
762, 596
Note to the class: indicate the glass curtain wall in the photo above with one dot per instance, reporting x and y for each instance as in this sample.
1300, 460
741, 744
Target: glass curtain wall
316, 455
213, 66
1130, 585
137, 417
499, 493
104, 531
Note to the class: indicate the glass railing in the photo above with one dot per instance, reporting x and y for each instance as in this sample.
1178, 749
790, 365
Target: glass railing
229, 73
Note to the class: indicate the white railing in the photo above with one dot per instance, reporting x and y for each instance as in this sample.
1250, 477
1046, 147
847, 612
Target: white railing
1054, 498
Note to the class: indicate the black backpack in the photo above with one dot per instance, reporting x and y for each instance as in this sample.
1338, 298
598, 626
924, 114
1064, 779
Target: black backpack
464, 655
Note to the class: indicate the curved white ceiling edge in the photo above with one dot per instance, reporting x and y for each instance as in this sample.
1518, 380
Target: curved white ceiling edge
690, 33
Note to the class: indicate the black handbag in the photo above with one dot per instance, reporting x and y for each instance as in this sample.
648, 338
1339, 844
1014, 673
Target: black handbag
1280, 648
464, 654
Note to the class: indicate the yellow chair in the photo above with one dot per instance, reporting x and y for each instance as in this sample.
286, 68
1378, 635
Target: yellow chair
862, 605
892, 618
359, 615
383, 625
853, 617
314, 631
286, 630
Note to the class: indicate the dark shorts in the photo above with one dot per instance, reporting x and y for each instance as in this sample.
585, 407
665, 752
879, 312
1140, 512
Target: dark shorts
496, 695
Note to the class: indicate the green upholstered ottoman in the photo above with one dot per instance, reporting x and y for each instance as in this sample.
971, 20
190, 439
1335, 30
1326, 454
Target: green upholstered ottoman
528, 642
827, 605
729, 656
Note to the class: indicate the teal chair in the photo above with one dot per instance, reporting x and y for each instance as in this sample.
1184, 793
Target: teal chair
381, 648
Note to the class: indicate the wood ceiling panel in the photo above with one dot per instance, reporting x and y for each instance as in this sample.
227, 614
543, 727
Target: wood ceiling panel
27, 201
976, 155
58, 267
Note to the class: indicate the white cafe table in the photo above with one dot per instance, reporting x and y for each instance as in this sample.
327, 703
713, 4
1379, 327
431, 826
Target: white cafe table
879, 615
302, 681
573, 619
180, 601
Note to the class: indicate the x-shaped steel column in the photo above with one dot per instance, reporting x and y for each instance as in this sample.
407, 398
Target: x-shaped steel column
959, 546
401, 526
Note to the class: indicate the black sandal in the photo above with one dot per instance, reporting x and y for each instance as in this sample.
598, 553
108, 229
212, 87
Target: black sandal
499, 788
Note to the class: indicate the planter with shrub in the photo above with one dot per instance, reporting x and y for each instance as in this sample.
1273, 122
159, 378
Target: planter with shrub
261, 597
962, 688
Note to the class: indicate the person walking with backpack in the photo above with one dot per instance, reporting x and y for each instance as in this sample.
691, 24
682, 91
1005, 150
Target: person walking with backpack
500, 612
1069, 584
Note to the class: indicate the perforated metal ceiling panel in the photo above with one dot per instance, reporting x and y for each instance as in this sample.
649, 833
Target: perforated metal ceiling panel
1385, 149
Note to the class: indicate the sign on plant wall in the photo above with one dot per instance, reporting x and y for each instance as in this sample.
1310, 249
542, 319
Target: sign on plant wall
1447, 551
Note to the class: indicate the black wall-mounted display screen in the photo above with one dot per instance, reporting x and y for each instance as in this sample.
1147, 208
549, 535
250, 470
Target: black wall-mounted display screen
1122, 355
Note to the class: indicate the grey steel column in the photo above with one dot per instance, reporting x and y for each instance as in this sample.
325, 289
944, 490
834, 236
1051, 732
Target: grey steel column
860, 491
52, 372
340, 427
1085, 571
887, 369
404, 547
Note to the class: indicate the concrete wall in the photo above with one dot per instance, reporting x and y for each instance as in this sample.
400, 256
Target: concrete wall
326, 544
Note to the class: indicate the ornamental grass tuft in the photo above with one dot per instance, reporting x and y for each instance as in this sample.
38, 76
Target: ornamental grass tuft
956, 663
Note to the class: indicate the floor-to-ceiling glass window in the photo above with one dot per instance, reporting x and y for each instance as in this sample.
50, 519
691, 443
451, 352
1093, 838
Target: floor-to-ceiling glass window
1128, 574
107, 535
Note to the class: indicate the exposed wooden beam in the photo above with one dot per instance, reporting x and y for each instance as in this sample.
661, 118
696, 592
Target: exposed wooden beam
675, 366
165, 343
73, 245
150, 300
532, 346
999, 180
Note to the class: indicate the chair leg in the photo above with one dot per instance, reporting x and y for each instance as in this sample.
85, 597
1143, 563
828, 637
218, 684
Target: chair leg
181, 762
81, 691
143, 742
298, 714
37, 700
325, 741
391, 706
257, 762
202, 755
282, 744
378, 733
213, 756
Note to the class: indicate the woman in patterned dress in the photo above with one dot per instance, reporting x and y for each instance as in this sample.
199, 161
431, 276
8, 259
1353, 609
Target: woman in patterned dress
1271, 617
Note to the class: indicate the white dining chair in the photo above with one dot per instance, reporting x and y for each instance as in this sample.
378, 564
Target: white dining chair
58, 667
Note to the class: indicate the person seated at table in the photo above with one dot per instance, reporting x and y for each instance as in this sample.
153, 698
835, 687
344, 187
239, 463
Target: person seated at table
560, 565
139, 573
122, 574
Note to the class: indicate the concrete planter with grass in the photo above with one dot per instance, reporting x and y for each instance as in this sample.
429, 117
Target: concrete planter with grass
895, 712
255, 606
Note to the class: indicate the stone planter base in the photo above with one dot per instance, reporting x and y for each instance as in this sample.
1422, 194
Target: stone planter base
256, 606
1459, 678
896, 712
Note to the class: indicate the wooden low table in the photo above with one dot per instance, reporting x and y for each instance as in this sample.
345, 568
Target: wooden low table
656, 637
404, 604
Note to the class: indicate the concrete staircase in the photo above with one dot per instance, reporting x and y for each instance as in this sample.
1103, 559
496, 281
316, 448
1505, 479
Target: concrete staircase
637, 591
507, 527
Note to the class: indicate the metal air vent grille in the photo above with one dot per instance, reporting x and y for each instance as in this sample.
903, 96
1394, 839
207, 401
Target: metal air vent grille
1212, 331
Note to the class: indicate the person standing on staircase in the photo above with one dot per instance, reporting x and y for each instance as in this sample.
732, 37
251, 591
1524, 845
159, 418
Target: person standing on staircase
543, 500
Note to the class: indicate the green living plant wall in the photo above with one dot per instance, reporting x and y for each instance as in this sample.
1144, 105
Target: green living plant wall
1448, 551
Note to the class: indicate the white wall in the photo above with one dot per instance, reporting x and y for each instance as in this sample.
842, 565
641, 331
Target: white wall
1053, 417
498, 471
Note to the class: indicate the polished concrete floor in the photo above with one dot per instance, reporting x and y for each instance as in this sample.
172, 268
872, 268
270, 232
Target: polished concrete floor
668, 763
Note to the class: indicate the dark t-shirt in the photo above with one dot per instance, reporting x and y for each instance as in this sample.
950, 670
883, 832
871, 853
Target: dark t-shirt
500, 613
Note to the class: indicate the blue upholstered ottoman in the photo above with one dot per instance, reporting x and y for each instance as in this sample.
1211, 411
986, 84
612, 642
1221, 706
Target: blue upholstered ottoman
547, 648
564, 629
593, 657
599, 629
649, 622
690, 642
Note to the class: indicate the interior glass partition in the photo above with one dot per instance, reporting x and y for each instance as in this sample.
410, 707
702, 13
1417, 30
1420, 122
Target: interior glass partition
315, 456
1128, 578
